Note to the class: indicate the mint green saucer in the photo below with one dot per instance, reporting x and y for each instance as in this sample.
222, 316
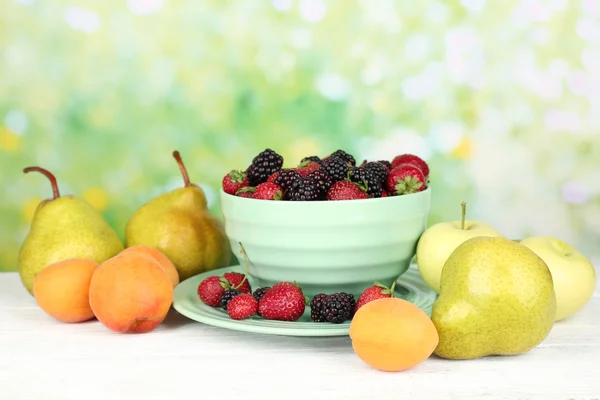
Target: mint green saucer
410, 287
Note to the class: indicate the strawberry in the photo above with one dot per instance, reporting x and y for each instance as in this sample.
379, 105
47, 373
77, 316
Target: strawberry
345, 190
235, 279
234, 181
411, 159
211, 289
283, 302
307, 167
405, 179
268, 191
377, 291
246, 191
384, 193
273, 177
242, 306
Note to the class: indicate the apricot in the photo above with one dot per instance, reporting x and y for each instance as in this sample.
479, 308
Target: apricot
131, 293
391, 334
61, 290
159, 256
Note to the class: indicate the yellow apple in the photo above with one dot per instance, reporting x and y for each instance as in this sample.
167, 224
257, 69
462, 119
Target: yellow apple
573, 274
440, 240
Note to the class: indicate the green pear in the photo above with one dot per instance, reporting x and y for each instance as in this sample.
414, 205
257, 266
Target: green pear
64, 227
496, 298
179, 224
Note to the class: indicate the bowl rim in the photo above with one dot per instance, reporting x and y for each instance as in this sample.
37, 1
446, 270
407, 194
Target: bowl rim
427, 191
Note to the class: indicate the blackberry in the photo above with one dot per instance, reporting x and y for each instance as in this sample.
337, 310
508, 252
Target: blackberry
344, 156
386, 164
263, 165
336, 168
285, 177
227, 296
303, 189
335, 308
378, 170
260, 292
323, 181
316, 159
363, 175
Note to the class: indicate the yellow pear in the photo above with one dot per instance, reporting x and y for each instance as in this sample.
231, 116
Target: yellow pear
179, 224
64, 227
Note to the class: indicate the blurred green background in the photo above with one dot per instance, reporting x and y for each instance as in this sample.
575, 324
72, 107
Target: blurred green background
501, 98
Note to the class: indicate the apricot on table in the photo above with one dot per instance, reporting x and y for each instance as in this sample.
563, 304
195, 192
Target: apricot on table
392, 334
61, 290
131, 293
159, 256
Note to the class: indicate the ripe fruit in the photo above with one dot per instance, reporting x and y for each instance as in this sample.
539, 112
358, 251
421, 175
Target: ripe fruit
335, 308
62, 290
211, 289
348, 158
336, 168
234, 181
378, 170
392, 334
260, 292
247, 191
311, 158
323, 181
264, 165
303, 189
268, 191
344, 190
236, 279
307, 167
286, 177
227, 296
365, 177
130, 293
405, 179
377, 291
411, 159
283, 302
159, 256
242, 306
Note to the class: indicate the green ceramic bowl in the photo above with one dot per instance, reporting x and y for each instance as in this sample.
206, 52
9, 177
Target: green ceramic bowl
326, 246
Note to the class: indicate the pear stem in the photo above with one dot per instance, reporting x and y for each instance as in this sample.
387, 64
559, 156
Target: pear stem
184, 173
50, 176
464, 215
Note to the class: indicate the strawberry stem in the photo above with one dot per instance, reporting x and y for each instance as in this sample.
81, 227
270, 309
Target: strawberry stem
464, 215
392, 288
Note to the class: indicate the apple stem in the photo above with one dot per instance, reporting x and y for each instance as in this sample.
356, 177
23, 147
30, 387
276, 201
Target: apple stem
50, 176
184, 173
464, 215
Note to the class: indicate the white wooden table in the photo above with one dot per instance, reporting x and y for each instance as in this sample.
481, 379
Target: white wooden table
43, 359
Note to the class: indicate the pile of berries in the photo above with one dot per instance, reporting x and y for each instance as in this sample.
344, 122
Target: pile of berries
334, 177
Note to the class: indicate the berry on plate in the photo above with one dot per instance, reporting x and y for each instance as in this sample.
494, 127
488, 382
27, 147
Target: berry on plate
377, 291
334, 308
242, 306
345, 190
283, 302
268, 191
234, 181
405, 179
227, 296
411, 159
211, 289
238, 281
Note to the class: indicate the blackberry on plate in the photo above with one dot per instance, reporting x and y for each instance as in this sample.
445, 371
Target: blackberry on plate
323, 181
344, 156
334, 308
361, 176
285, 177
378, 170
260, 292
303, 189
263, 165
316, 159
336, 168
227, 296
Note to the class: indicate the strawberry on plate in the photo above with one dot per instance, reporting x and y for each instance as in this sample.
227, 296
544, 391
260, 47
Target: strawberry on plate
268, 191
242, 306
405, 179
234, 181
238, 281
411, 159
375, 292
284, 301
346, 190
